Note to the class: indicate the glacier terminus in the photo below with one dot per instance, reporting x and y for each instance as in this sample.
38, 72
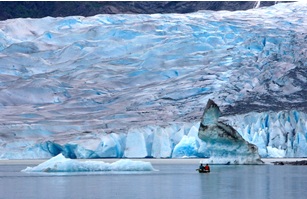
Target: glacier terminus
135, 85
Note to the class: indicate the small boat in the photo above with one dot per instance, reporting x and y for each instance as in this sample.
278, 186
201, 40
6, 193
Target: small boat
202, 171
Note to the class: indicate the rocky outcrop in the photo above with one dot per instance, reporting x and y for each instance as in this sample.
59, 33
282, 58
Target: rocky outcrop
302, 162
24, 9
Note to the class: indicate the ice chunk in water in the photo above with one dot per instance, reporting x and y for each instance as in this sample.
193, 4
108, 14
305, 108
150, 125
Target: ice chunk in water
61, 164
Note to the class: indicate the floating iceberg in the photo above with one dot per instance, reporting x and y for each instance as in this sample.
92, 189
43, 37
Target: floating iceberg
61, 164
225, 144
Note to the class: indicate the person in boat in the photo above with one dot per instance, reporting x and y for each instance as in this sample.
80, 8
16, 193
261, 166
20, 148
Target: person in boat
201, 167
207, 168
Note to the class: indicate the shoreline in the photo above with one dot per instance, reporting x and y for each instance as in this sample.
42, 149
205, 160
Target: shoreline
267, 161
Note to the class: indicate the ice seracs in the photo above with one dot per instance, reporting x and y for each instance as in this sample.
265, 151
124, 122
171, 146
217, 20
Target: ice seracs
277, 134
224, 143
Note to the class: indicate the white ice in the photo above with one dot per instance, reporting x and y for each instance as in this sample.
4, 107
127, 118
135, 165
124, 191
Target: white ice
61, 164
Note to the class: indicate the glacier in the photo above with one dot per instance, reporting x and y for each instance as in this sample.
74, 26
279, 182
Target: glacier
61, 164
135, 86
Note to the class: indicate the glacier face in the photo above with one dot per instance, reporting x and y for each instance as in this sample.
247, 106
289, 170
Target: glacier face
277, 134
135, 85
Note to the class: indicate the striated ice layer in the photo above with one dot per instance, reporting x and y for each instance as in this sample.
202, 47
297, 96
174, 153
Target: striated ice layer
134, 85
62, 164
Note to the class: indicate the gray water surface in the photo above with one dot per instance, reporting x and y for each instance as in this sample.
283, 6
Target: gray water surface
171, 181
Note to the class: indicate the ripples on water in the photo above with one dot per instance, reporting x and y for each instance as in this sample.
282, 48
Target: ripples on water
171, 181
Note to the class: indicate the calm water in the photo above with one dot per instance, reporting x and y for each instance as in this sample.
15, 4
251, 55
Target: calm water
171, 181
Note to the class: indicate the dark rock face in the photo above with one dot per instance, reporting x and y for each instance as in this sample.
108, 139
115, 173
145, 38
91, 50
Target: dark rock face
303, 162
225, 144
23, 9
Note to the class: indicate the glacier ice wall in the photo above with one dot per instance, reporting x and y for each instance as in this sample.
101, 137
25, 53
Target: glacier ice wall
277, 134
85, 86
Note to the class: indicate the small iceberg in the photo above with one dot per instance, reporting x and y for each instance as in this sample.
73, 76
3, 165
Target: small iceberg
61, 164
